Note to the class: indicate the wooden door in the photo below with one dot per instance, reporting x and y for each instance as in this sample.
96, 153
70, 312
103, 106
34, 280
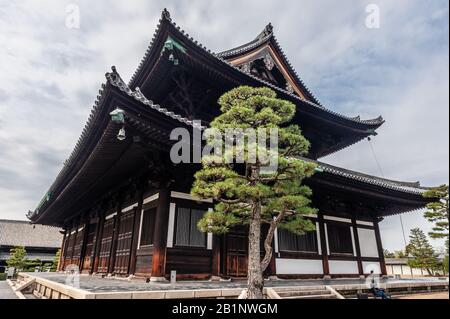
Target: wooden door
124, 242
105, 246
68, 249
77, 247
89, 250
236, 254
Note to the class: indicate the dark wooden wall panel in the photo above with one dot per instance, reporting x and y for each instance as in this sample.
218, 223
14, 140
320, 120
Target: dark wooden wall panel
105, 246
124, 242
189, 261
89, 250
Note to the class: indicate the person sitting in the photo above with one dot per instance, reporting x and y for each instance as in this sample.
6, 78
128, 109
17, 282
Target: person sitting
376, 291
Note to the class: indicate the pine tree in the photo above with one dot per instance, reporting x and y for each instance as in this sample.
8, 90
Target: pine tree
245, 193
438, 211
17, 258
422, 254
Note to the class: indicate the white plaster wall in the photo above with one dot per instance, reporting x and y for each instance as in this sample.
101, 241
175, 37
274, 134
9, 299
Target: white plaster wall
390, 270
369, 266
299, 267
407, 270
418, 272
368, 243
343, 267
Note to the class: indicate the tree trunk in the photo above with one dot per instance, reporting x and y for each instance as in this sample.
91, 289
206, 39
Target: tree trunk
255, 274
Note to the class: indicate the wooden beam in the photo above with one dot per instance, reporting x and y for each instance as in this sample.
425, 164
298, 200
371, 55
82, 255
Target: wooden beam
135, 239
323, 243
357, 247
216, 256
98, 243
87, 225
112, 257
62, 252
160, 236
380, 248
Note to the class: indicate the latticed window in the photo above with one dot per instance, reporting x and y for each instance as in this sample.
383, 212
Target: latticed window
148, 227
290, 242
187, 233
340, 239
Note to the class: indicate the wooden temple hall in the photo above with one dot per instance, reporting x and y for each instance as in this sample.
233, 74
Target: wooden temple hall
126, 209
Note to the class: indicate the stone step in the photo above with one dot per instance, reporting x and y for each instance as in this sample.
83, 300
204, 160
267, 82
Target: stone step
303, 293
311, 297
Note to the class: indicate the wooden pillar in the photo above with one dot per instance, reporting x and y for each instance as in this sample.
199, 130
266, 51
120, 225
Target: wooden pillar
136, 226
62, 252
323, 244
98, 243
66, 244
160, 236
216, 256
357, 247
87, 225
112, 257
380, 248
77, 227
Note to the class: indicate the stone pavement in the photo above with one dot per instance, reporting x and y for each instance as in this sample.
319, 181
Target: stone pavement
104, 285
434, 296
6, 292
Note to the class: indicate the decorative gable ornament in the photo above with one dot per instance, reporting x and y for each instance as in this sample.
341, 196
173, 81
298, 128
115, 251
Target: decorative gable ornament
290, 88
268, 62
246, 68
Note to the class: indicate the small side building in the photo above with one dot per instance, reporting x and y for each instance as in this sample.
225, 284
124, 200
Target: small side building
41, 242
400, 267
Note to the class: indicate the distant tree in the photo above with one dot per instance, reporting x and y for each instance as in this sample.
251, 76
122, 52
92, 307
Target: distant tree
54, 265
423, 255
32, 264
400, 254
438, 211
247, 194
17, 258
388, 254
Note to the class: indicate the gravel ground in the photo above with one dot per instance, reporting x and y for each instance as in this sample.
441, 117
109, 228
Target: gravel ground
441, 295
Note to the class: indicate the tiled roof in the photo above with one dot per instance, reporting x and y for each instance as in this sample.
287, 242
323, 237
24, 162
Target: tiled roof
405, 187
20, 233
266, 36
165, 17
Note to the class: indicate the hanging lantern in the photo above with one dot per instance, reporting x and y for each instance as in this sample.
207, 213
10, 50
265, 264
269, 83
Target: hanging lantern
122, 136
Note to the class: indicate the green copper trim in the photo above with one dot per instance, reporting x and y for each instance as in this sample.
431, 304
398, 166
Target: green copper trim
319, 170
46, 199
170, 44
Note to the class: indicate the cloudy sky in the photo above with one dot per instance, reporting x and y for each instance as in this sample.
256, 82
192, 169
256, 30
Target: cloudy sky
50, 76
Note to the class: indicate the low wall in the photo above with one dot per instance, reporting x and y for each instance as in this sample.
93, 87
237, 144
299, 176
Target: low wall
46, 289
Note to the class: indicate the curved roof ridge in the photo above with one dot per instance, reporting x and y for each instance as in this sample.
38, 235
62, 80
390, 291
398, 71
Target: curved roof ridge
374, 122
406, 187
166, 17
264, 37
